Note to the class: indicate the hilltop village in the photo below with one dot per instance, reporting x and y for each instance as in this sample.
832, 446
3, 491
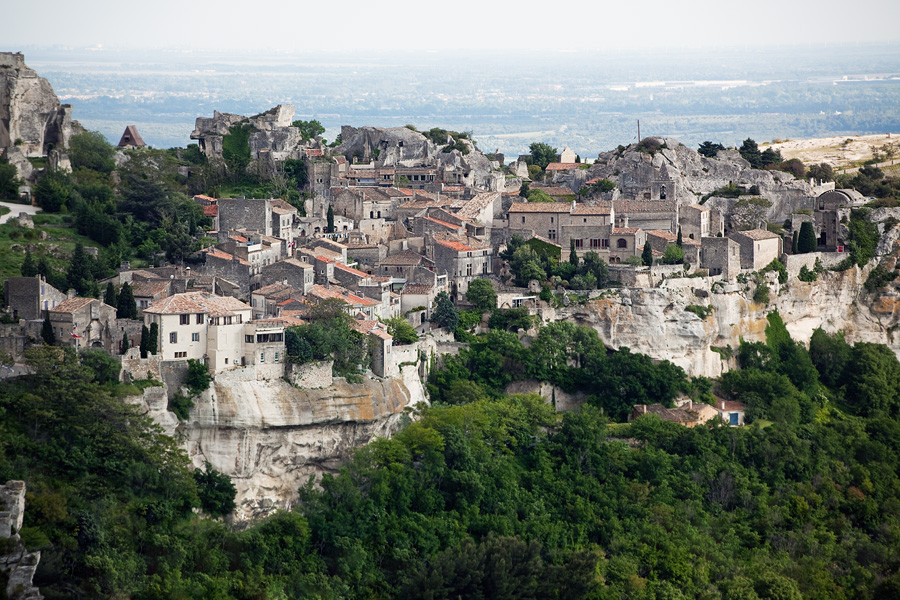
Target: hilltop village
396, 224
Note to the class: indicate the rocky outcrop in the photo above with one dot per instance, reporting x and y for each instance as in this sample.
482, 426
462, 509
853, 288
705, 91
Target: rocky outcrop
270, 437
271, 138
396, 146
32, 120
654, 321
688, 176
17, 565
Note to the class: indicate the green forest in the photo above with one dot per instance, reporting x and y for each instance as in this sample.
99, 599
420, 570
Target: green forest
488, 495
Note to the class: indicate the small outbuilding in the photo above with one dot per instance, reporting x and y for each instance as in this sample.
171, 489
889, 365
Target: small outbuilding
131, 139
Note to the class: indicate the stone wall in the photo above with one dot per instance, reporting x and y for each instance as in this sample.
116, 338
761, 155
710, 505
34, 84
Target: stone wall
315, 374
137, 368
17, 564
794, 262
173, 373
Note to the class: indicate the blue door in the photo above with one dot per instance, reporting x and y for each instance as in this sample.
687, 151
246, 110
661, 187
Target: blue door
734, 419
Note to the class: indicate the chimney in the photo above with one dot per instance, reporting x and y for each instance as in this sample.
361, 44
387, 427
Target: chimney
723, 405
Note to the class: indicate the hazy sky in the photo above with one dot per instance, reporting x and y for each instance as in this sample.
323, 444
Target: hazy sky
423, 25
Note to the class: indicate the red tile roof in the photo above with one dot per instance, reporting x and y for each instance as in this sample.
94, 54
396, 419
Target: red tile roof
197, 302
225, 256
71, 305
557, 166
540, 207
458, 246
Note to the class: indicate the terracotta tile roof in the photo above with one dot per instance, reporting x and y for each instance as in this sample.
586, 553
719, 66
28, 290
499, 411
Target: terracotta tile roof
295, 263
351, 270
540, 207
325, 259
728, 405
442, 223
205, 198
238, 238
625, 230
585, 210
211, 210
273, 290
407, 258
643, 206
458, 246
757, 234
473, 207
555, 190
197, 302
417, 288
279, 203
142, 274
322, 293
699, 207
314, 152
675, 415
671, 237
558, 166
282, 211
71, 305
225, 256
144, 289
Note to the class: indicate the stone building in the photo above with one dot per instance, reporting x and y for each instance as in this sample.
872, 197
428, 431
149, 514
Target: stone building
463, 262
831, 208
541, 218
625, 242
293, 272
759, 247
85, 323
660, 240
131, 139
697, 221
401, 267
29, 297
721, 256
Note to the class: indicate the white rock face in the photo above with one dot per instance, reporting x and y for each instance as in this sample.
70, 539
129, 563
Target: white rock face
270, 437
654, 321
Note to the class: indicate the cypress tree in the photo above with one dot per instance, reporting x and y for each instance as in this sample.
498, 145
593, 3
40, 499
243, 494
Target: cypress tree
29, 269
153, 342
110, 298
647, 254
573, 256
145, 340
678, 240
329, 226
47, 331
125, 344
79, 275
806, 241
127, 307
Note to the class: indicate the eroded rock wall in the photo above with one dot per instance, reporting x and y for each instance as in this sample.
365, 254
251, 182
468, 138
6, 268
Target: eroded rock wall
270, 437
654, 321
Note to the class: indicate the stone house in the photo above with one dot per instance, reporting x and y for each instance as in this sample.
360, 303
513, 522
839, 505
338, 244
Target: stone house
731, 412
721, 256
29, 297
85, 323
356, 304
293, 272
481, 209
463, 262
215, 329
660, 240
401, 267
380, 345
759, 247
625, 242
661, 214
539, 218
681, 415
831, 208
148, 291
416, 301
699, 221
589, 227
264, 301
230, 267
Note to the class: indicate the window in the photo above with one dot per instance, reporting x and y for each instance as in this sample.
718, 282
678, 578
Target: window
276, 357
173, 338
469, 269
595, 243
621, 243
262, 357
579, 244
185, 319
248, 339
523, 219
181, 355
195, 337
199, 318
551, 234
551, 219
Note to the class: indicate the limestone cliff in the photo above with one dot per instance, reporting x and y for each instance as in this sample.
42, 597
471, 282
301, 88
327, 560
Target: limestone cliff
688, 176
270, 436
654, 321
17, 565
32, 120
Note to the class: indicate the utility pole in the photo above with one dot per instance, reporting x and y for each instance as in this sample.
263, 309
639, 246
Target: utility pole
639, 131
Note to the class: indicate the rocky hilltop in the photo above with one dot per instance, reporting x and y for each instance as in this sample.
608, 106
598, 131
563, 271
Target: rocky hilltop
270, 436
689, 176
33, 123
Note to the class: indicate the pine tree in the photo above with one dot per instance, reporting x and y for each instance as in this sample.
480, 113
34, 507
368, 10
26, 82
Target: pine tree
110, 298
573, 256
678, 240
47, 331
153, 342
127, 307
145, 341
125, 344
647, 254
29, 269
329, 226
